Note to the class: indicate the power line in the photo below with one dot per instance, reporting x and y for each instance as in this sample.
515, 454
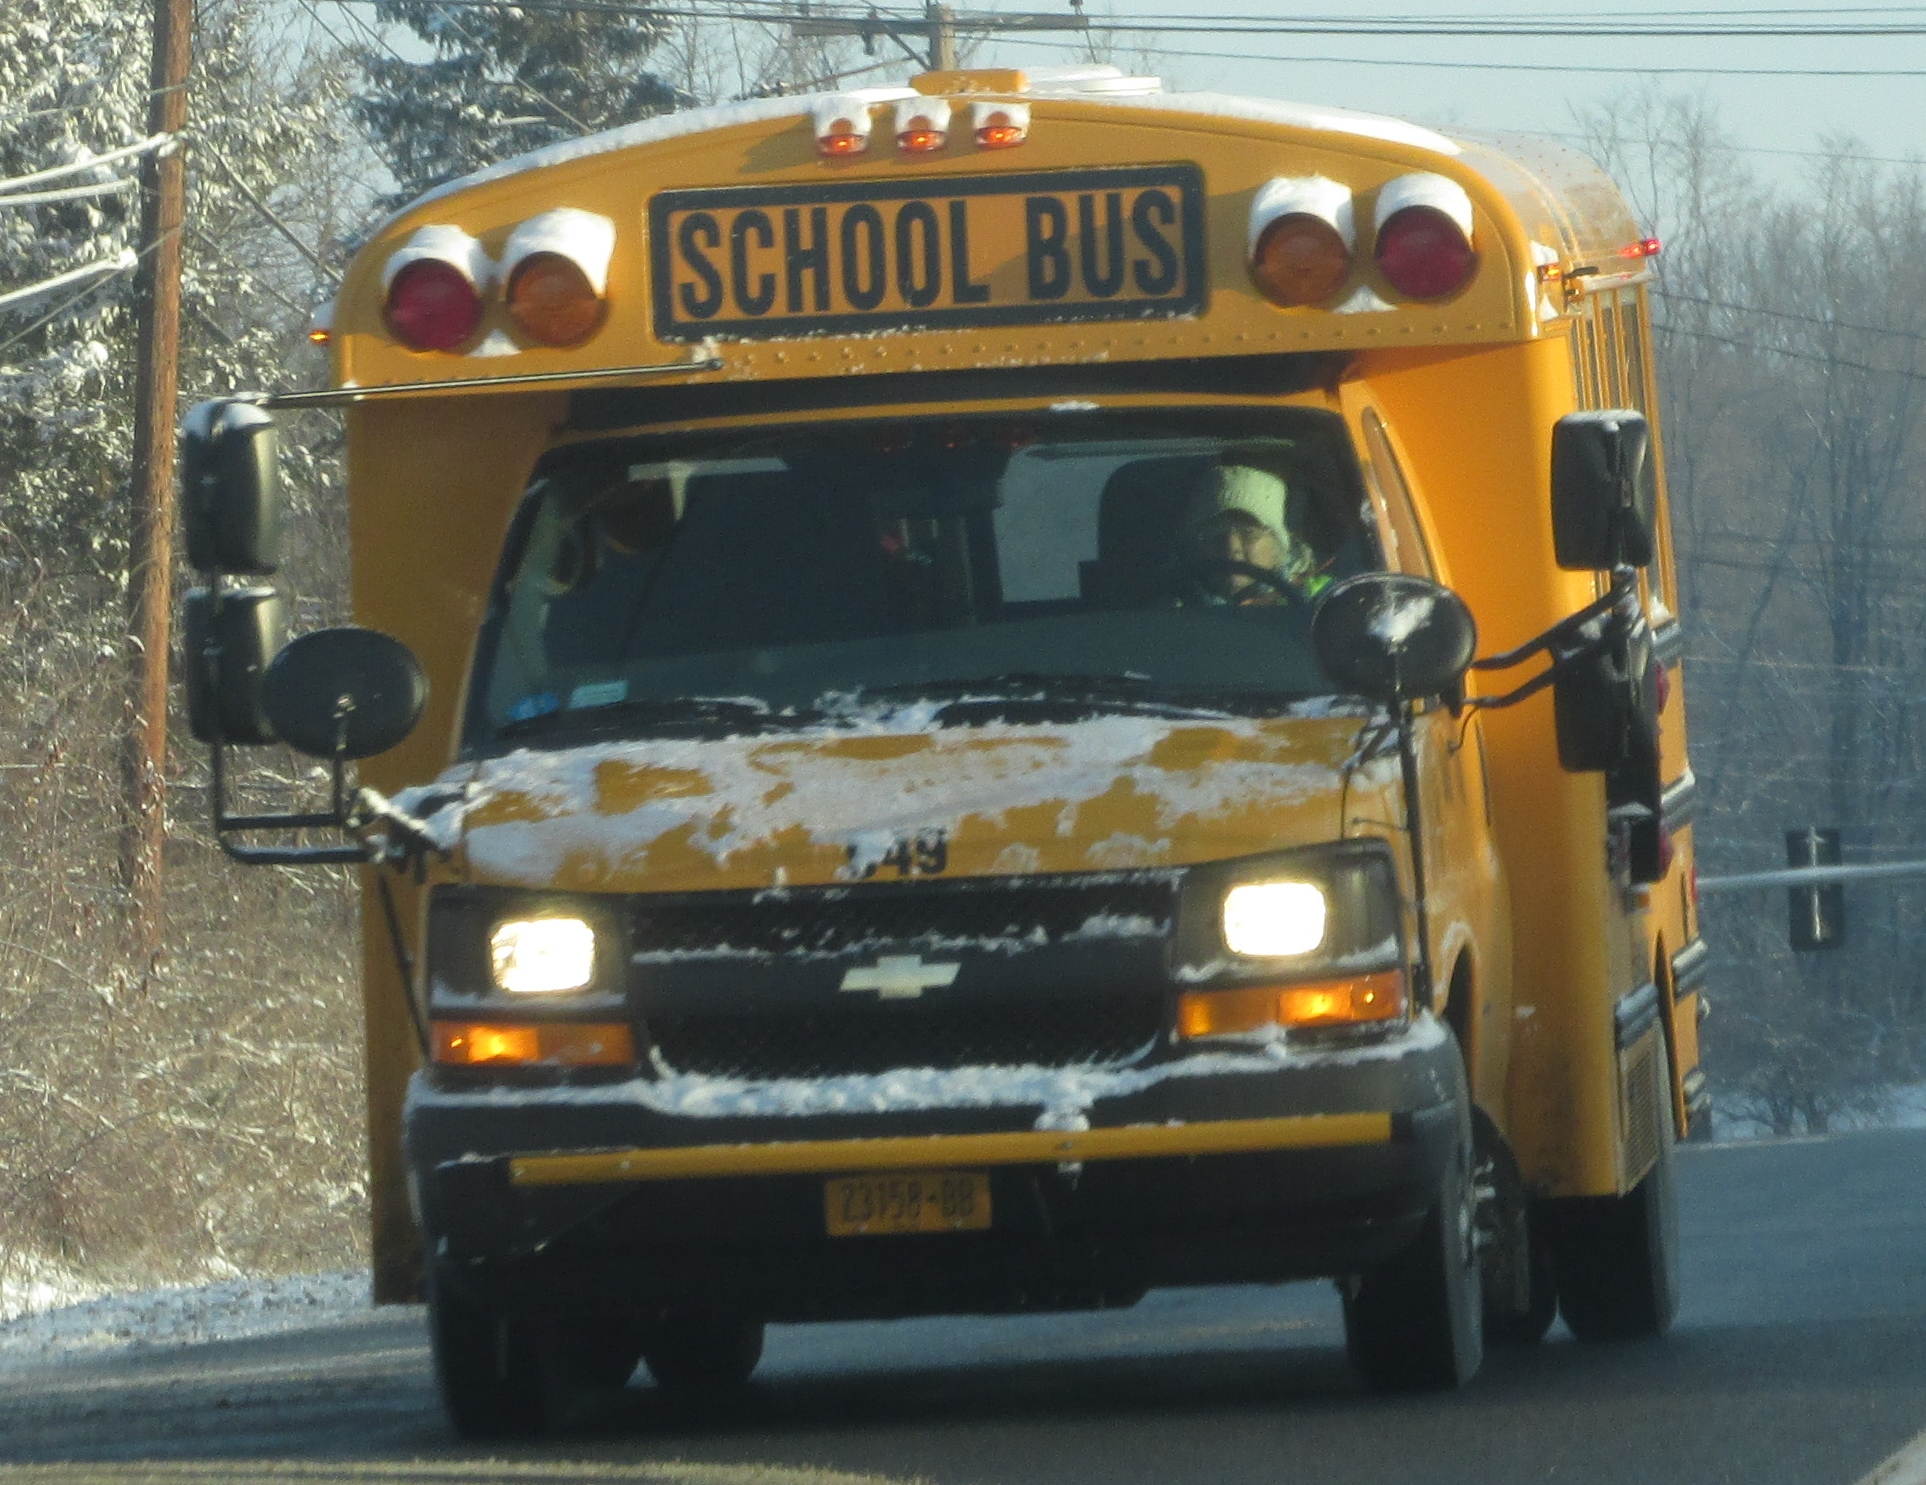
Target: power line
70, 193
1485, 27
1782, 314
106, 266
1773, 350
1561, 68
59, 172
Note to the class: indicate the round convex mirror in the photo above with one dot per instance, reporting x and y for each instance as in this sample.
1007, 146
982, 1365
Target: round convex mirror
344, 693
1393, 636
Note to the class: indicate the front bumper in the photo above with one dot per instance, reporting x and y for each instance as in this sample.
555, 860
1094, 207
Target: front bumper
1220, 1167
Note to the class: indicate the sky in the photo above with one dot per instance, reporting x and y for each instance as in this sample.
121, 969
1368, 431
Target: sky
1778, 119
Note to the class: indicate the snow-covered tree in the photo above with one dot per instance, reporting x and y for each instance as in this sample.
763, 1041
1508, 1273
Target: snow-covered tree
502, 81
73, 74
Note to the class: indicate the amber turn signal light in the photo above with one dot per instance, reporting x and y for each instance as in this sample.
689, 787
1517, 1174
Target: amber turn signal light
555, 1044
552, 301
1358, 1000
1300, 260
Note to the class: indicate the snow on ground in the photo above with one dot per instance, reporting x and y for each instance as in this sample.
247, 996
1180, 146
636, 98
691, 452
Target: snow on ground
47, 1317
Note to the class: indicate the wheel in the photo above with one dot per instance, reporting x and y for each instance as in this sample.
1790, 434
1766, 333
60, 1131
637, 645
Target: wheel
487, 1367
1527, 1327
702, 1350
1514, 1257
1617, 1257
1416, 1322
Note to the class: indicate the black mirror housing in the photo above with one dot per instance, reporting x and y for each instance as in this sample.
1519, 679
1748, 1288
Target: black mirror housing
1604, 500
228, 638
1394, 637
344, 693
230, 489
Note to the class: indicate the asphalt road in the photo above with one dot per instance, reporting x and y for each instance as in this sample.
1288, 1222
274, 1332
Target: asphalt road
1799, 1358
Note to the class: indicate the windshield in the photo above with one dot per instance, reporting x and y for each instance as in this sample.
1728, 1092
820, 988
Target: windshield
1086, 558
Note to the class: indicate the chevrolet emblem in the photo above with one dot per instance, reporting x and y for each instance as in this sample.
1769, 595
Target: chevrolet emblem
900, 976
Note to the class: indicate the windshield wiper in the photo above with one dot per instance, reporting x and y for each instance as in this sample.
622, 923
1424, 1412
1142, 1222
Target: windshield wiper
705, 713
1043, 691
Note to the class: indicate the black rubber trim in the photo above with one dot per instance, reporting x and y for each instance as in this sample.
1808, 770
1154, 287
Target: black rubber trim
1635, 1013
1689, 966
606, 409
1668, 642
1680, 801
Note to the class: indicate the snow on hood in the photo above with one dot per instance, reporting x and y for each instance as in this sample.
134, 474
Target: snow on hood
1111, 792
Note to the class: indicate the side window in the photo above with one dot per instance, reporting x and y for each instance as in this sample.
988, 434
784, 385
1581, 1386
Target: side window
1408, 550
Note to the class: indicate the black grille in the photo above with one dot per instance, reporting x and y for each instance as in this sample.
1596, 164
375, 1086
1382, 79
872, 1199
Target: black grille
1042, 1033
842, 920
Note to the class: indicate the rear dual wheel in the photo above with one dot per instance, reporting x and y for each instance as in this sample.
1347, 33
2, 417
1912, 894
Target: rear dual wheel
1415, 1323
1617, 1257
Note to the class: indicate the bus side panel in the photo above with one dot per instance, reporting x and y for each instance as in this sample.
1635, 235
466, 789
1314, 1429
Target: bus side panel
1478, 426
432, 484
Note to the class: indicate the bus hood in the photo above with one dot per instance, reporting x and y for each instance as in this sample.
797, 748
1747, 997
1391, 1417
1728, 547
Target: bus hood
1107, 793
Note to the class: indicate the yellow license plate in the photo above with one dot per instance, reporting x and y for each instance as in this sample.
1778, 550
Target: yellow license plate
907, 1201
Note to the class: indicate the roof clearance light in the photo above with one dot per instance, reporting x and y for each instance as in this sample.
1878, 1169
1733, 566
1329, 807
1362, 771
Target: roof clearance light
1302, 232
842, 126
432, 287
1000, 126
1645, 247
922, 126
1424, 236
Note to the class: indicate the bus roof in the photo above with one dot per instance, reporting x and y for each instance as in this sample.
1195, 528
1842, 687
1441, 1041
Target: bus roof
685, 201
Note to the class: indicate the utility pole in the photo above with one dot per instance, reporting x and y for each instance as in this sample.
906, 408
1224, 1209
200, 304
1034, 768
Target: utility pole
938, 29
941, 21
150, 564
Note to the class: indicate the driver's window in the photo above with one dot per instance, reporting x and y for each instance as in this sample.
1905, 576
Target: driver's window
1406, 549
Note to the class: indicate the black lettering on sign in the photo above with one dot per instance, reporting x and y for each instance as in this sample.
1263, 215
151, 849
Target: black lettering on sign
856, 256
1105, 245
812, 259
699, 231
1046, 230
1153, 212
961, 289
750, 301
919, 254
865, 259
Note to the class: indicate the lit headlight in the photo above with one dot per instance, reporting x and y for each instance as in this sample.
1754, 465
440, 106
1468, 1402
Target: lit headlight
541, 956
1274, 920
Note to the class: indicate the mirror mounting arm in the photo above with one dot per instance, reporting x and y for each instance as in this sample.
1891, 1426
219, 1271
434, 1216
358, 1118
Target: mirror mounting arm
1569, 641
405, 840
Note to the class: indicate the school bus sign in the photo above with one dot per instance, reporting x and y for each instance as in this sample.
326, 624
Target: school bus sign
769, 262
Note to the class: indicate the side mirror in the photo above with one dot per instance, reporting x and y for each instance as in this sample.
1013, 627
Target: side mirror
230, 489
1393, 636
1606, 706
228, 638
1604, 503
344, 693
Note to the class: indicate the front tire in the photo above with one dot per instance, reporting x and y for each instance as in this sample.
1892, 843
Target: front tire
1617, 1257
487, 1367
1416, 1322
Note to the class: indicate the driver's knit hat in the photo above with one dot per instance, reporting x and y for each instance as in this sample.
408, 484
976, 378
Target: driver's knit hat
1238, 487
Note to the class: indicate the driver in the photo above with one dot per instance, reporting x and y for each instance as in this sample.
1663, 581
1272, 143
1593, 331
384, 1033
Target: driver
1235, 519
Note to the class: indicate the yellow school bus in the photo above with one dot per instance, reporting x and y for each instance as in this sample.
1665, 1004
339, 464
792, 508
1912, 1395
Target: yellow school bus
1022, 689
